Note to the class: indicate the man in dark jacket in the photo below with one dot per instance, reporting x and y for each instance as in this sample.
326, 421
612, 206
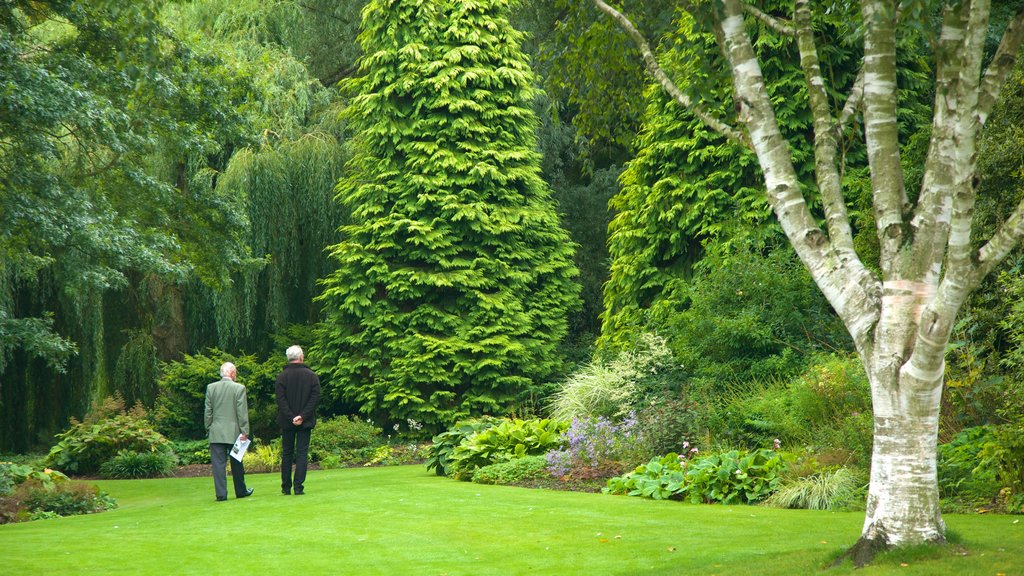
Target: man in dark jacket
298, 391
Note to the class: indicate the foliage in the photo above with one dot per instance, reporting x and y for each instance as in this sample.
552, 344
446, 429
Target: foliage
512, 471
191, 451
179, 407
27, 493
110, 118
607, 99
1005, 455
613, 388
598, 447
441, 448
733, 477
264, 457
504, 441
67, 499
107, 430
455, 280
827, 407
343, 436
830, 489
963, 475
128, 464
669, 416
689, 191
12, 474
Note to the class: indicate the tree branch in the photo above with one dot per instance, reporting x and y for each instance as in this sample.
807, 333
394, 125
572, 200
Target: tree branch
666, 83
999, 68
779, 25
881, 128
825, 146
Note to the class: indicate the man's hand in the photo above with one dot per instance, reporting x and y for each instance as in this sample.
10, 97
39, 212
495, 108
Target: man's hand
243, 437
297, 421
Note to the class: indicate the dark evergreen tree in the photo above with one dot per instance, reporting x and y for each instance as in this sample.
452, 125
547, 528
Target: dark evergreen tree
455, 279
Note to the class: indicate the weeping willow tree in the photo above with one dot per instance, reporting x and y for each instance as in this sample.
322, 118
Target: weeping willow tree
454, 279
95, 92
286, 178
292, 219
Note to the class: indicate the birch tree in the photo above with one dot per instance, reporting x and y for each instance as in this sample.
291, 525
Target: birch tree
900, 318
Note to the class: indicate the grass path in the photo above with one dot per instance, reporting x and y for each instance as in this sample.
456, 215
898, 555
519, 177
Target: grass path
406, 521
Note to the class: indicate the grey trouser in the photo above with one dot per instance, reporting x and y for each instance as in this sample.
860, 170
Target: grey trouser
218, 459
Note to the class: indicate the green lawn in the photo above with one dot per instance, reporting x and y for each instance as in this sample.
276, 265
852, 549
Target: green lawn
406, 521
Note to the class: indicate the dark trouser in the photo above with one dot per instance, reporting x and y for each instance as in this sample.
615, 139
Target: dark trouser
218, 459
294, 448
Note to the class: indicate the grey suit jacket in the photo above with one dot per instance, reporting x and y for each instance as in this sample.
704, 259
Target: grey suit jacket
227, 412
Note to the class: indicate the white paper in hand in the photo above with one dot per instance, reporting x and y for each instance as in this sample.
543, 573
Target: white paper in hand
238, 450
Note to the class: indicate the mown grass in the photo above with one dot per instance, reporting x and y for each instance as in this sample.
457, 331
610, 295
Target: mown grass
406, 521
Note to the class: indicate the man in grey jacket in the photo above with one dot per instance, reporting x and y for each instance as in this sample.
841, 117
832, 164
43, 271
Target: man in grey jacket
226, 416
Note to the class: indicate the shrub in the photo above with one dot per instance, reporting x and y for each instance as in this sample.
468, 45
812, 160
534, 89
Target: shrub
139, 464
963, 476
11, 475
397, 455
613, 389
439, 453
513, 471
827, 406
105, 431
67, 499
507, 440
598, 448
182, 391
264, 457
342, 436
835, 489
666, 419
192, 451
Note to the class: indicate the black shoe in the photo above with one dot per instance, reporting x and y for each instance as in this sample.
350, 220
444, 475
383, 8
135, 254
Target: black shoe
286, 492
221, 498
247, 493
299, 492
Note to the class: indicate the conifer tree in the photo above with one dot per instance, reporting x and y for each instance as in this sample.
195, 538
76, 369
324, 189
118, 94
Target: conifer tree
454, 279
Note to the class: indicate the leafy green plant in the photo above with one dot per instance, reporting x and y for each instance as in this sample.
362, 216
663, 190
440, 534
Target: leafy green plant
342, 436
660, 479
507, 440
105, 431
127, 464
733, 477
835, 489
12, 474
513, 471
442, 446
191, 451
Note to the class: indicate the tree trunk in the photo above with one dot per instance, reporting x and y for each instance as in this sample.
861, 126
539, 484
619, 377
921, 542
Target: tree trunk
903, 498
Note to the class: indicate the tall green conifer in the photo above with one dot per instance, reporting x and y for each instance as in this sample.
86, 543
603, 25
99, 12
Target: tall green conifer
455, 279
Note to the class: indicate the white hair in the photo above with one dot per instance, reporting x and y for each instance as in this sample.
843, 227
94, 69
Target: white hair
294, 353
226, 369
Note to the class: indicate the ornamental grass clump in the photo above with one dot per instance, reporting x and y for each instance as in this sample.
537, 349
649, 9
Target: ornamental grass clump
598, 448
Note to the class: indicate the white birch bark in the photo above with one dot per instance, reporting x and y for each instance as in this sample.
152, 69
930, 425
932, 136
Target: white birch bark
901, 322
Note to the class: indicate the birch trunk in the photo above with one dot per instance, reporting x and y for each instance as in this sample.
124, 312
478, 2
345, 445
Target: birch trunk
900, 322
